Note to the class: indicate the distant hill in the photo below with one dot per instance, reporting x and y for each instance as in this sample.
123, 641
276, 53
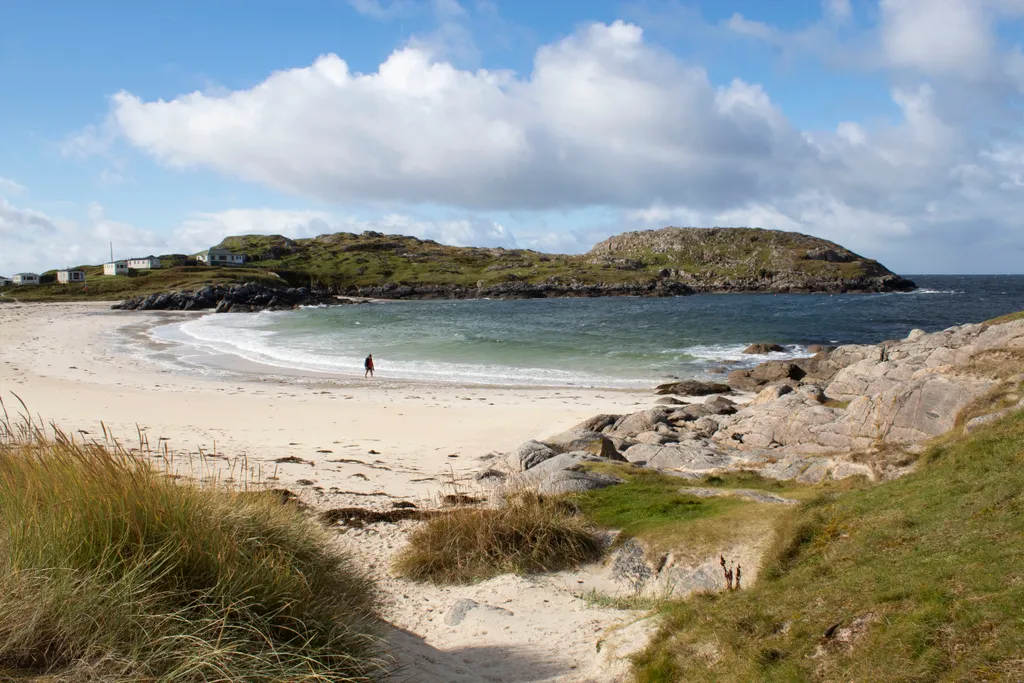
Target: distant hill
666, 261
669, 261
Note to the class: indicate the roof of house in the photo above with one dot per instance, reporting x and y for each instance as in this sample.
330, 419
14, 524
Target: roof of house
24, 274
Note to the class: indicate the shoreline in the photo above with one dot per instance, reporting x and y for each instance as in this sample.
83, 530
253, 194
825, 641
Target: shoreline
368, 446
64, 362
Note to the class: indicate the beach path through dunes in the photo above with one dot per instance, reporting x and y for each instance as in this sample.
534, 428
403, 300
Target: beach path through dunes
335, 443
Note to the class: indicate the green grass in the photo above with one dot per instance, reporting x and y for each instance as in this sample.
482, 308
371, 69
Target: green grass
111, 571
1009, 317
345, 261
526, 533
100, 287
926, 568
650, 508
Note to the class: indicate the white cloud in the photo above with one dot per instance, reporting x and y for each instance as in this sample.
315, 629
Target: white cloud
382, 10
34, 241
755, 29
604, 118
607, 119
837, 10
11, 188
938, 36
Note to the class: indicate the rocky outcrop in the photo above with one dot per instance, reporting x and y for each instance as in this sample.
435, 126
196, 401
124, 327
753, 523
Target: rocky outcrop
692, 387
246, 298
811, 417
551, 288
761, 349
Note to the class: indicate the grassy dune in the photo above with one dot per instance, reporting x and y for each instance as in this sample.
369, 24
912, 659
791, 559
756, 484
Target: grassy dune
918, 579
111, 571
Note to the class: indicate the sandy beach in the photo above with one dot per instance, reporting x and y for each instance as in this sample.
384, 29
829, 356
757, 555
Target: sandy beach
353, 442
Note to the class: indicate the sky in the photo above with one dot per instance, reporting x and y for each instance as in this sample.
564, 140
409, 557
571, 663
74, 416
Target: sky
893, 127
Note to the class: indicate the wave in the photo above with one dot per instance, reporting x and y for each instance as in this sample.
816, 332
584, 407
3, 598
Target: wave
248, 342
936, 291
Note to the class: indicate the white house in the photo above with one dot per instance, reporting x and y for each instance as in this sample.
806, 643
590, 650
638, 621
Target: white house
66, 277
148, 263
221, 257
25, 279
115, 268
4, 281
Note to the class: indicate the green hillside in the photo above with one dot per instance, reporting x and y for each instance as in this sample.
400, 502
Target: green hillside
373, 264
918, 579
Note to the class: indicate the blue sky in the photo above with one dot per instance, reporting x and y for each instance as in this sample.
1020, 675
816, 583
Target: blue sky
890, 126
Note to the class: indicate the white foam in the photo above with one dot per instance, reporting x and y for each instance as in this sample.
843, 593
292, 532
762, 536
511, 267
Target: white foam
237, 336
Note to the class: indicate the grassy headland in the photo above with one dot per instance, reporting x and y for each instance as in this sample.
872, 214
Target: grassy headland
110, 570
689, 259
918, 579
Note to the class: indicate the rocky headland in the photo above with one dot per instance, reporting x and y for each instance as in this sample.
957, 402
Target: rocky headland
855, 410
809, 419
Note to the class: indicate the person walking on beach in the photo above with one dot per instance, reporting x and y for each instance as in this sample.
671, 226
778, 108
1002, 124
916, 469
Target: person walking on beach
368, 364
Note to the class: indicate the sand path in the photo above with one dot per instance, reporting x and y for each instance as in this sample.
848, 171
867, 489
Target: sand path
360, 442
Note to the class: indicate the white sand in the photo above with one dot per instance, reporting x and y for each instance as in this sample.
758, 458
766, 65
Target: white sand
64, 362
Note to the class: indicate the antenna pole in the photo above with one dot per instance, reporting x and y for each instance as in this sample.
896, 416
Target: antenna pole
111, 251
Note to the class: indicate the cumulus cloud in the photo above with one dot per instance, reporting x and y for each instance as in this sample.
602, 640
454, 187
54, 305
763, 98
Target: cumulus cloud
607, 119
603, 118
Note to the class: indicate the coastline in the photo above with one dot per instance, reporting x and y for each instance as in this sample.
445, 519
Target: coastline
63, 361
368, 444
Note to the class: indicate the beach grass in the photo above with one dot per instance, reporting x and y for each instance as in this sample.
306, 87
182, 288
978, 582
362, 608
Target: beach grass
916, 579
112, 571
525, 533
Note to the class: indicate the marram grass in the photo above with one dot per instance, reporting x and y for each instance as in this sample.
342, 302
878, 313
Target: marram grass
525, 533
111, 571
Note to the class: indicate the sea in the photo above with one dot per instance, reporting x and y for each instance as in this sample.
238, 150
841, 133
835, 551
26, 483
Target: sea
614, 342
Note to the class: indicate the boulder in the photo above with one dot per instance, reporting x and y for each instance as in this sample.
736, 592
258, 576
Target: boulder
564, 473
692, 387
530, 454
771, 393
651, 437
819, 348
705, 427
813, 392
761, 349
915, 334
669, 401
770, 372
720, 405
596, 423
644, 421
574, 481
594, 443
690, 456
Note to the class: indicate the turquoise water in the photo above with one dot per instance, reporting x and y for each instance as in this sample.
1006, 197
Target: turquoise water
610, 342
